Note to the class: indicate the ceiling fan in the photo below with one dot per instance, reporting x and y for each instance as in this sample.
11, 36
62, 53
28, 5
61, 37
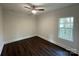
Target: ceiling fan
33, 8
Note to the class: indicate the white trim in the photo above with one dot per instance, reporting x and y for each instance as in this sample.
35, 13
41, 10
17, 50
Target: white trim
19, 39
1, 48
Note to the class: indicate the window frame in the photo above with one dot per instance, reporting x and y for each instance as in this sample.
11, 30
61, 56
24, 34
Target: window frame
65, 28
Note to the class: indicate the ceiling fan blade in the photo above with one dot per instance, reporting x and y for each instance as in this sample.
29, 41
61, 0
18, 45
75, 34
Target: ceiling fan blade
27, 7
30, 4
40, 9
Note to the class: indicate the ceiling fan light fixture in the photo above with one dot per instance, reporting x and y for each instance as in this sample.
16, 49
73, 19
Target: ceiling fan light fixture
34, 11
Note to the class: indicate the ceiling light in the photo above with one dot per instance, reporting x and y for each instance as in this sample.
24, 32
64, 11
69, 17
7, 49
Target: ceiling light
34, 11
38, 4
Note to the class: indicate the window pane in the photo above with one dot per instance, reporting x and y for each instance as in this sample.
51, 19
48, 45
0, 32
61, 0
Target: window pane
68, 20
62, 25
62, 33
61, 20
72, 19
68, 33
68, 25
71, 25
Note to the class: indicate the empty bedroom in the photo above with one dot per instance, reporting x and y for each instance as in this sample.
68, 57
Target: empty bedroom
39, 29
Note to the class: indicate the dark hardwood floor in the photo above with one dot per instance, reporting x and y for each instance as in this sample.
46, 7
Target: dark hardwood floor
34, 46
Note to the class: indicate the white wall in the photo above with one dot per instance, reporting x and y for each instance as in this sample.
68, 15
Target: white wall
18, 26
1, 31
48, 26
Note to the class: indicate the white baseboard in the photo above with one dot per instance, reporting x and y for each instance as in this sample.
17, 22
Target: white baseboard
61, 45
1, 48
19, 39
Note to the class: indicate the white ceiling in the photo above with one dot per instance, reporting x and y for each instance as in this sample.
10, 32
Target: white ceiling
19, 7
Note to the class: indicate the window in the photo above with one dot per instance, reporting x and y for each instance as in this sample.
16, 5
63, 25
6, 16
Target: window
66, 28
